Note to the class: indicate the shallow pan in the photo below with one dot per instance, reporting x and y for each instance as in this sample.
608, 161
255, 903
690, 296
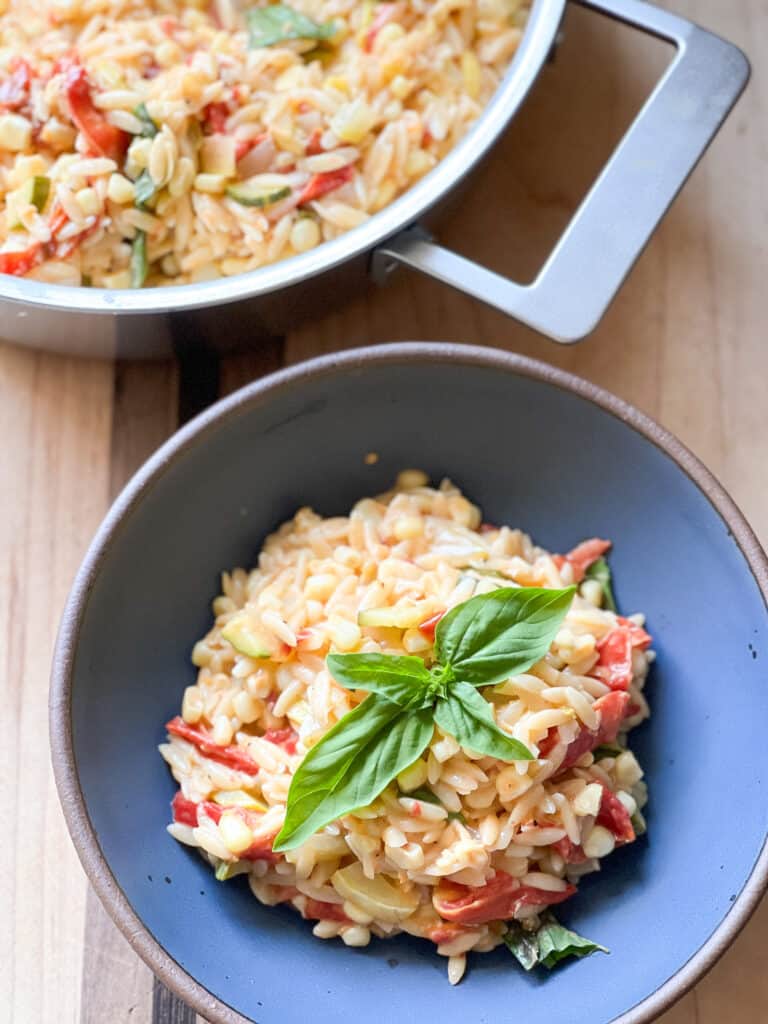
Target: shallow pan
607, 233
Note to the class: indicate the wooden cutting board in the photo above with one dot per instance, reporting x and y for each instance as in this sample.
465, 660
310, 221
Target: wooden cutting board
686, 341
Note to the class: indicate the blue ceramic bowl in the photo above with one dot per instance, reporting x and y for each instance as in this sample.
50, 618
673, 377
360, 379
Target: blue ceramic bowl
537, 448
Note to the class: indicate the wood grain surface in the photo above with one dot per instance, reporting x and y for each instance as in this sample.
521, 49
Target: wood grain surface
686, 341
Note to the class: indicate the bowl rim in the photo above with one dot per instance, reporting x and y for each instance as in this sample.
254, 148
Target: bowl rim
60, 724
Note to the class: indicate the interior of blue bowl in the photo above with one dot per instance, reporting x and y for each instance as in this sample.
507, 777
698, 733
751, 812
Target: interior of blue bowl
533, 455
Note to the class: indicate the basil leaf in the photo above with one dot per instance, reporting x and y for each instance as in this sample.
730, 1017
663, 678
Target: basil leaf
556, 943
278, 23
424, 794
351, 765
148, 127
143, 189
523, 944
601, 571
402, 679
494, 636
139, 261
468, 717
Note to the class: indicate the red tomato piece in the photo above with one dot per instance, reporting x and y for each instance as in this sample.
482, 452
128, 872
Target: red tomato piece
615, 817
583, 555
317, 910
285, 738
313, 144
569, 851
487, 528
327, 181
612, 710
215, 116
185, 811
232, 756
22, 261
614, 665
14, 90
103, 138
260, 849
428, 626
497, 900
445, 932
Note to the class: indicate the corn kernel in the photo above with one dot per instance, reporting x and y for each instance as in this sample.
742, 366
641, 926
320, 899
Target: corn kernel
599, 843
305, 234
345, 635
400, 86
88, 201
120, 279
588, 800
235, 833
418, 163
120, 189
217, 155
222, 731
212, 183
192, 705
413, 776
352, 122
15, 132
415, 642
338, 82
137, 157
320, 587
246, 707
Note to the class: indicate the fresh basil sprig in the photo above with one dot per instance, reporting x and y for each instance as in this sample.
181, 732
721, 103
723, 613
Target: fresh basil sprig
548, 945
494, 636
478, 643
601, 571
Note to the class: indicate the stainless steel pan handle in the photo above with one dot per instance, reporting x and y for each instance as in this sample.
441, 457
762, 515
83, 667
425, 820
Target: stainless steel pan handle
613, 224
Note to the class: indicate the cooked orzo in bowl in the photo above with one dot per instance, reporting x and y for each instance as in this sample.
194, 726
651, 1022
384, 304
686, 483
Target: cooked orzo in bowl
408, 719
147, 142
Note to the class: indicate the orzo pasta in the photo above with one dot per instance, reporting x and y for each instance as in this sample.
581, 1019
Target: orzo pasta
157, 142
459, 848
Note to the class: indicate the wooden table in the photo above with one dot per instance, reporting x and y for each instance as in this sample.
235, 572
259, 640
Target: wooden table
686, 341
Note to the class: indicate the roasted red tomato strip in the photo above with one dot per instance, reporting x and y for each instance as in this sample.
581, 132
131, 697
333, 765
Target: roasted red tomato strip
614, 666
103, 138
232, 756
320, 184
497, 900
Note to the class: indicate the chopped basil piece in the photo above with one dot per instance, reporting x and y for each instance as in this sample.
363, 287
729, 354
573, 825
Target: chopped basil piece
548, 945
601, 571
148, 127
139, 264
607, 750
279, 23
143, 190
